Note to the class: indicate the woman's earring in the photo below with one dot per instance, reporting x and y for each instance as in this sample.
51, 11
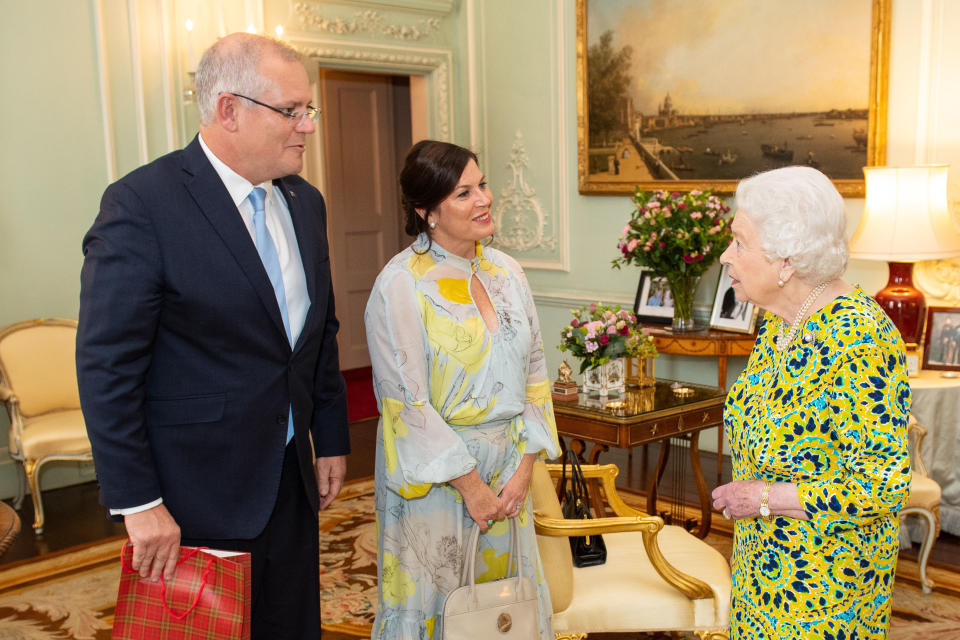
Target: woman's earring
433, 225
780, 283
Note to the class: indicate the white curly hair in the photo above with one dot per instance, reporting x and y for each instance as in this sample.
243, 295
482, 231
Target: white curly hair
800, 216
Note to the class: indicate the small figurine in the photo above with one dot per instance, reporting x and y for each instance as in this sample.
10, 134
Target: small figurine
564, 389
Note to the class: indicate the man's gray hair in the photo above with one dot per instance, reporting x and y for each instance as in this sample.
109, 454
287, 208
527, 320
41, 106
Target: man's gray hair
800, 216
232, 65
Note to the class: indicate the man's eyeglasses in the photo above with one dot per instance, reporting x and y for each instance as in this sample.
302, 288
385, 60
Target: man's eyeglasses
310, 113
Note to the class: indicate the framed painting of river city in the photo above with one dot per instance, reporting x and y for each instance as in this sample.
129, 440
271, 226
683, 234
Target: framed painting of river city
681, 94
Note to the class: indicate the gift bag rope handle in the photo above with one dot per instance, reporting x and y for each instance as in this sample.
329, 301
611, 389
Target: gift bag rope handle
163, 584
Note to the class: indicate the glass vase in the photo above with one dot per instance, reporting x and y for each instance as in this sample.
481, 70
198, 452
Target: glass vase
682, 289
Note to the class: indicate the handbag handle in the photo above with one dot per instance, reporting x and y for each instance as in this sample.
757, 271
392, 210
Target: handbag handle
468, 575
163, 584
578, 483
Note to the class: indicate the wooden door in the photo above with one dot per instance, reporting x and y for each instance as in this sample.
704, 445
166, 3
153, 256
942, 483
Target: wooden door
364, 222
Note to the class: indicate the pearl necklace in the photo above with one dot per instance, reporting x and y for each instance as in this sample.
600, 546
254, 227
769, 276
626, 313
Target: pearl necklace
785, 339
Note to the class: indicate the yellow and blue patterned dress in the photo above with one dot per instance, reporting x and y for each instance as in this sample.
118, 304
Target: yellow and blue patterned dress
453, 397
834, 423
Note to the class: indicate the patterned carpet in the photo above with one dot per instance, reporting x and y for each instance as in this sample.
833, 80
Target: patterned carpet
71, 595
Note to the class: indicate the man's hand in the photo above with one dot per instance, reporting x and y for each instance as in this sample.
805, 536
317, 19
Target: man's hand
155, 537
330, 474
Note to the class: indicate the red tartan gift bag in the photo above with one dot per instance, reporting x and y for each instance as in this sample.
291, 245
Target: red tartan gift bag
208, 598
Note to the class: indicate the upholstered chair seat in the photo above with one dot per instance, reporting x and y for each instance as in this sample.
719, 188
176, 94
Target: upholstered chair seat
38, 386
655, 578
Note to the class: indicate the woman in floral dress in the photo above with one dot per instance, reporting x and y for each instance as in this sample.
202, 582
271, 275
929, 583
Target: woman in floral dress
464, 398
816, 421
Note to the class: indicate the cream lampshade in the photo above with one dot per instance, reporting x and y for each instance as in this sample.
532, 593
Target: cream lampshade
905, 220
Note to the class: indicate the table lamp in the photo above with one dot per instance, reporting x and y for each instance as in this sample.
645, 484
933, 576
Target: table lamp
905, 220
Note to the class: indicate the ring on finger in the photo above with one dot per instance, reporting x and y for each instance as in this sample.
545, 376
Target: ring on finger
726, 513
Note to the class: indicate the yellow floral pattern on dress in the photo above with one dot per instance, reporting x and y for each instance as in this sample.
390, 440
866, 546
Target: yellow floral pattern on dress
454, 398
834, 423
396, 584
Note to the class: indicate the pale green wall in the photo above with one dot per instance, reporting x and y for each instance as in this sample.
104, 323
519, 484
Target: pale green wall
52, 170
53, 161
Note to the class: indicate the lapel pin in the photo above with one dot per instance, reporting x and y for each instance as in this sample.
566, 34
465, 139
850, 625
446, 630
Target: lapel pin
808, 338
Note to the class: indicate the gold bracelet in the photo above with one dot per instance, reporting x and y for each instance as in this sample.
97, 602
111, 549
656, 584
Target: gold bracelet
765, 500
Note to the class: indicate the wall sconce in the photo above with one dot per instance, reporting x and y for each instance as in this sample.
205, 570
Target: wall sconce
905, 220
190, 88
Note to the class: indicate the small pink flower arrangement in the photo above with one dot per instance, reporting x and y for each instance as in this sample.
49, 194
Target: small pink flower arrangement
674, 234
599, 333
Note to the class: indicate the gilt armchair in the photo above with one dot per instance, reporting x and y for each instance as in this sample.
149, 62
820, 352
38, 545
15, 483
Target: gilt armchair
924, 499
656, 577
38, 386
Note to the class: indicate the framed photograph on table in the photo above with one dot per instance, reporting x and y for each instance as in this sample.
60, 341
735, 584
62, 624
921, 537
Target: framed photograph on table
655, 106
729, 314
941, 343
653, 303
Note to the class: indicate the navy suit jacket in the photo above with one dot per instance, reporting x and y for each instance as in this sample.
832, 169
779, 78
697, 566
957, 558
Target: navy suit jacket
186, 375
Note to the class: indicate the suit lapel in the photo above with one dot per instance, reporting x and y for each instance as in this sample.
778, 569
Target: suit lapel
215, 203
304, 226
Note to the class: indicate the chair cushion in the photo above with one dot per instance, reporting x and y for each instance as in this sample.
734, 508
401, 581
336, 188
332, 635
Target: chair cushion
554, 551
41, 368
627, 594
57, 433
924, 492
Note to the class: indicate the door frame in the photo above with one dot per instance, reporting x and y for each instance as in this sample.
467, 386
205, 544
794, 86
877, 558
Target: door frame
431, 79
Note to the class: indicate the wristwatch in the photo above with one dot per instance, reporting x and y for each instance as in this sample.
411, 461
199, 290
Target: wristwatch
765, 500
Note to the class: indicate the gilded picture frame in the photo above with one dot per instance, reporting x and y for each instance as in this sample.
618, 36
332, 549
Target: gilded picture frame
842, 142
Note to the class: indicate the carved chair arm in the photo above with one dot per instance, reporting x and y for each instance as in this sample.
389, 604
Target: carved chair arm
607, 474
920, 432
628, 519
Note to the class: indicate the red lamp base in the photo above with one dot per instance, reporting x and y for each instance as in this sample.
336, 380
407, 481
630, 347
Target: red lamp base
903, 302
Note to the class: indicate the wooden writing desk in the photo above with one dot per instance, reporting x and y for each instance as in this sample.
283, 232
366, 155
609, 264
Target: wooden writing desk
654, 414
708, 342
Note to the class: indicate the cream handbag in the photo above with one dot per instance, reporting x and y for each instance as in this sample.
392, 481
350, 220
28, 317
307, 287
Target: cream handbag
505, 608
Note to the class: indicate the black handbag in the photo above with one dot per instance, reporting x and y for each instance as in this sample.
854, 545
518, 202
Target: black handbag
587, 551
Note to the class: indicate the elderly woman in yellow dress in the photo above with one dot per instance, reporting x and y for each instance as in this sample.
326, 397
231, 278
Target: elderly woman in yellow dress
816, 421
464, 398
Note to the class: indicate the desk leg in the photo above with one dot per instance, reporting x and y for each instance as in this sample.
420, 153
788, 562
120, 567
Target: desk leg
705, 511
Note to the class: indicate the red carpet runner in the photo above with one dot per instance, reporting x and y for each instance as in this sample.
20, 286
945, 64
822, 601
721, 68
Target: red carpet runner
361, 403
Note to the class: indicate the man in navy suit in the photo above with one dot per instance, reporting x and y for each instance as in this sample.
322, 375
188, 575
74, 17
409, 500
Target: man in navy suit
206, 350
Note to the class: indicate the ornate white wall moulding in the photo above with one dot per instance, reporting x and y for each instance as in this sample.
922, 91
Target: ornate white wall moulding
521, 222
434, 64
436, 7
570, 299
940, 281
365, 21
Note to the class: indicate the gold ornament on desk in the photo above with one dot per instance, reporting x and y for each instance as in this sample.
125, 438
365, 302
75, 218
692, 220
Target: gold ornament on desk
564, 389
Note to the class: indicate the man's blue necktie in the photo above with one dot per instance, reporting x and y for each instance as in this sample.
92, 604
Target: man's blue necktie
271, 262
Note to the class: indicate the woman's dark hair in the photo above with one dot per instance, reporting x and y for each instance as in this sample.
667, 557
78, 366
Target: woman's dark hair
430, 174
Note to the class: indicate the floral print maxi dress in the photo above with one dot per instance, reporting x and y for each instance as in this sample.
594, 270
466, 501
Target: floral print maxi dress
834, 423
453, 397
